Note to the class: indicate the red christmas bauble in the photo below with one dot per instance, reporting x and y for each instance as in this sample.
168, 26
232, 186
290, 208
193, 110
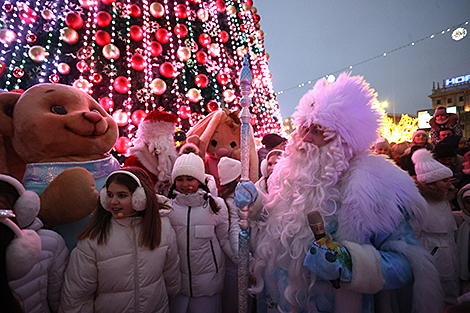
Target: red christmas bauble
223, 78
54, 78
96, 78
138, 62
201, 81
82, 66
162, 35
102, 37
181, 30
155, 48
121, 84
256, 18
108, 2
136, 33
204, 39
220, 6
224, 36
63, 68
212, 106
184, 112
167, 69
230, 62
103, 19
74, 20
29, 16
201, 57
3, 69
135, 10
138, 116
181, 11
122, 145
106, 103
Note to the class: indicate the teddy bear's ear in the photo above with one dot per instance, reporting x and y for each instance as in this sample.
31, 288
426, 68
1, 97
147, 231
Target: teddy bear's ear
7, 103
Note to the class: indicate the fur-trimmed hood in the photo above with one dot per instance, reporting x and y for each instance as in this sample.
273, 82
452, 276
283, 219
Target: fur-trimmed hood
453, 119
375, 196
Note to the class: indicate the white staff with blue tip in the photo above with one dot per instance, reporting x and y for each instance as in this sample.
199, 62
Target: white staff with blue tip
246, 78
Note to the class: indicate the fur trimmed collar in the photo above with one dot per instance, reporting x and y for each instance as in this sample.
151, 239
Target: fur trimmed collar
375, 196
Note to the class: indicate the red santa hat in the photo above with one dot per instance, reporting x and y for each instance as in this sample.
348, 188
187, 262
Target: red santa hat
155, 125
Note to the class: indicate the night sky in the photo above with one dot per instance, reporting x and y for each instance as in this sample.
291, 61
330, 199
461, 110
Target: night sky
308, 39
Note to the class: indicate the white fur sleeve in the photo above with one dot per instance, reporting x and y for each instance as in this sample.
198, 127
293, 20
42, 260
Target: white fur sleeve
366, 269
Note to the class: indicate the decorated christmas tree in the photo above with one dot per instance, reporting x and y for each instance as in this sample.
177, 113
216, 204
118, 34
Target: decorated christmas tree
134, 56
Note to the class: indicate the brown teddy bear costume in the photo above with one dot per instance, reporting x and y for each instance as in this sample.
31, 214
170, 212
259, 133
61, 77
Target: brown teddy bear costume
58, 137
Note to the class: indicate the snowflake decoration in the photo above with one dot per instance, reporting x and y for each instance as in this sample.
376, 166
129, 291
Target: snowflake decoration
195, 118
85, 53
121, 9
47, 27
212, 66
143, 95
122, 34
110, 70
152, 27
72, 7
139, 50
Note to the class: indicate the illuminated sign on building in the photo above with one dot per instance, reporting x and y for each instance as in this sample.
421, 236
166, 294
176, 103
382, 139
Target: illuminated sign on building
457, 80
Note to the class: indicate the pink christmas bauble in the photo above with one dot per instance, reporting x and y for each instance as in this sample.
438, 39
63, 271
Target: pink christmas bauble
158, 86
193, 95
183, 53
201, 81
63, 68
121, 84
123, 144
167, 69
103, 19
138, 116
69, 35
202, 15
111, 52
138, 62
74, 20
106, 103
157, 10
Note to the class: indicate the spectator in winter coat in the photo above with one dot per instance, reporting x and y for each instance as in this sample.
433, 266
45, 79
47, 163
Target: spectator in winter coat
127, 258
443, 120
201, 223
34, 280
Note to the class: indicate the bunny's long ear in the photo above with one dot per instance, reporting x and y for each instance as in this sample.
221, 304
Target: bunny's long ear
205, 130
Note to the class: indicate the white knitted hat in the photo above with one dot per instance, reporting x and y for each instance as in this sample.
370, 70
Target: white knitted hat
416, 133
191, 165
229, 170
428, 170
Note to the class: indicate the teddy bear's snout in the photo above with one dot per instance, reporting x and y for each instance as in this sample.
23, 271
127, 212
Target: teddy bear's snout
93, 116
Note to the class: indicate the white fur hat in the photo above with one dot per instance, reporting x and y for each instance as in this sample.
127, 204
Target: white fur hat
229, 170
156, 127
191, 165
428, 170
348, 107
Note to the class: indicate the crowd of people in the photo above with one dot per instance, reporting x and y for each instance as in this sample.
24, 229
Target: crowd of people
393, 233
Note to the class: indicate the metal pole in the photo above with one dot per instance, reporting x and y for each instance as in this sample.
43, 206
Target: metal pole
244, 237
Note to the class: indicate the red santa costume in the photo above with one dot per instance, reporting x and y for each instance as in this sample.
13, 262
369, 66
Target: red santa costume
154, 149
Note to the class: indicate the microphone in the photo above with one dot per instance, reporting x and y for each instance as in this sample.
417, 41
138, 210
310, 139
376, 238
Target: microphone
315, 221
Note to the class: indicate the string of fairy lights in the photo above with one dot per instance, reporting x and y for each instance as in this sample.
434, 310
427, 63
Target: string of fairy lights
458, 33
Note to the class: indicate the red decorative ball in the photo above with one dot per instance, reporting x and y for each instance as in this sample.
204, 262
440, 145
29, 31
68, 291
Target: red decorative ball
3, 69
106, 103
138, 62
102, 37
122, 145
121, 84
201, 81
96, 78
162, 35
181, 11
220, 6
181, 30
167, 69
155, 48
74, 20
230, 62
31, 38
63, 68
223, 78
224, 36
108, 2
54, 78
29, 16
138, 116
184, 112
103, 19
256, 18
201, 57
135, 10
82, 66
136, 33
204, 39
212, 106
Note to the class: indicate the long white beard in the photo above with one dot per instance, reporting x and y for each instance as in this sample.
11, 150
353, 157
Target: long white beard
301, 182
